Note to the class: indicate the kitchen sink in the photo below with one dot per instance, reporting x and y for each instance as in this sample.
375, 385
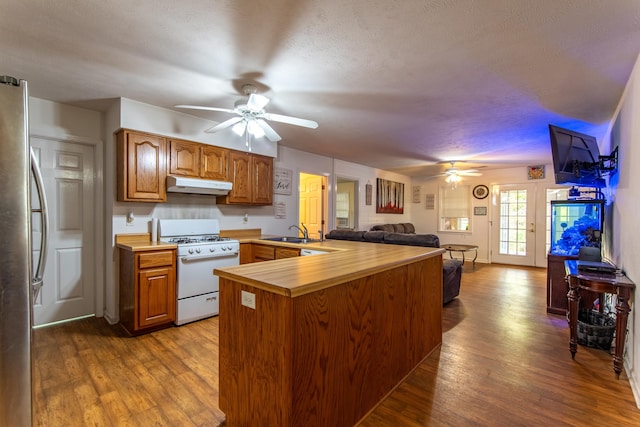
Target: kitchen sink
289, 239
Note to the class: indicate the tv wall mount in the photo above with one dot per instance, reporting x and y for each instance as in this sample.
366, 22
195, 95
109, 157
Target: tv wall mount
606, 165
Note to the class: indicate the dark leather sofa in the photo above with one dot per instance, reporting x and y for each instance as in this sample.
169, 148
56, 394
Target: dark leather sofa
404, 234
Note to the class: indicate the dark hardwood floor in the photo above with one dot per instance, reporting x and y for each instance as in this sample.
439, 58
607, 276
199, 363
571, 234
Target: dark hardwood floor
503, 362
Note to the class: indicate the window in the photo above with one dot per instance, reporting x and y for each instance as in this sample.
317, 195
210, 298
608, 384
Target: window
455, 208
513, 222
342, 210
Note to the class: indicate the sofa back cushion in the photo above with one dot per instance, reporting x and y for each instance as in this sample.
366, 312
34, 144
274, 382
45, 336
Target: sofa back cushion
427, 240
408, 227
404, 227
376, 236
383, 227
357, 236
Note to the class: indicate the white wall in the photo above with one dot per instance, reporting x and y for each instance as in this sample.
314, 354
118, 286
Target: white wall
625, 196
426, 220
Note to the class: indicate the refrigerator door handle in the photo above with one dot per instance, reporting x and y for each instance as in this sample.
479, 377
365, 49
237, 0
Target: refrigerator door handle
44, 215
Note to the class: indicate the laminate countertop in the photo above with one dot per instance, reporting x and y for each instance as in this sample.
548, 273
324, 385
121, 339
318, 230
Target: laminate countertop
141, 242
344, 261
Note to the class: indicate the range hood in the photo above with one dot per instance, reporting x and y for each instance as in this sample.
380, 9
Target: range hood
178, 184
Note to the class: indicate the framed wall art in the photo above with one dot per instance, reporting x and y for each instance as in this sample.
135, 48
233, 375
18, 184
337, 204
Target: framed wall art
282, 181
430, 201
415, 191
535, 172
389, 197
480, 210
367, 194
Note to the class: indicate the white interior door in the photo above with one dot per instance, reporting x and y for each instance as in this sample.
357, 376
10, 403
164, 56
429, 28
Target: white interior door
69, 278
514, 229
311, 203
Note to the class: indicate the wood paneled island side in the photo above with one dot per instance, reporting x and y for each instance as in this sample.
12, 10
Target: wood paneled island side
330, 336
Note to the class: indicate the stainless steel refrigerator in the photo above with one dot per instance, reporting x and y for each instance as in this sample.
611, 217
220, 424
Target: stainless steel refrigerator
19, 279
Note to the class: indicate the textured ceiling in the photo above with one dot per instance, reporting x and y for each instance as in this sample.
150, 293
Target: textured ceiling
394, 84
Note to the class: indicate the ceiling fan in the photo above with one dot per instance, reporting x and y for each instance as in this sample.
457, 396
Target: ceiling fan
453, 175
251, 117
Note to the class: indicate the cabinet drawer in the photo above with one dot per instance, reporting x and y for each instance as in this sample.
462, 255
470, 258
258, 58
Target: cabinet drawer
287, 253
155, 259
263, 252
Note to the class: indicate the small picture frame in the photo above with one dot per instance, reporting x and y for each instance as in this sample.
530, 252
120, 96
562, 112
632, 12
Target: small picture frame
416, 193
368, 189
480, 210
535, 172
430, 202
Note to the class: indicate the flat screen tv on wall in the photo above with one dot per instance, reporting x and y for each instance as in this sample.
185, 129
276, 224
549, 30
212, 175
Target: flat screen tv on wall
576, 158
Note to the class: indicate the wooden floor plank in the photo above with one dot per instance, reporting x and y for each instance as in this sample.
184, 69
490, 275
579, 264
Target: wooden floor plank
503, 361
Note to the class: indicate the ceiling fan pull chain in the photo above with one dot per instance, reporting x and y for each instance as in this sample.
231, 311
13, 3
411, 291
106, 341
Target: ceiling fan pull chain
247, 140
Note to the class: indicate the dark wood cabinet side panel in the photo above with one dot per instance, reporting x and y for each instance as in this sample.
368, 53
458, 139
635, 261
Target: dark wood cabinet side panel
255, 346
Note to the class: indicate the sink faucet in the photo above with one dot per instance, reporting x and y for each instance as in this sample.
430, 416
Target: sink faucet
305, 232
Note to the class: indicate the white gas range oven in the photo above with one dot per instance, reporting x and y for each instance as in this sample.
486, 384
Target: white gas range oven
200, 250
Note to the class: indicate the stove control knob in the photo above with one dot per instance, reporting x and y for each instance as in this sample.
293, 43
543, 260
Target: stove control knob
212, 249
229, 248
223, 248
191, 250
198, 250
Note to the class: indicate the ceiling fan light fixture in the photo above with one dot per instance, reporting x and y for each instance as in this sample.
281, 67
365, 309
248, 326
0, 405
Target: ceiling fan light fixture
239, 128
453, 178
254, 129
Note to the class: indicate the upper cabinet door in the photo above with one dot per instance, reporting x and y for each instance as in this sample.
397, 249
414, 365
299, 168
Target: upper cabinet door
184, 158
241, 173
142, 167
263, 180
214, 162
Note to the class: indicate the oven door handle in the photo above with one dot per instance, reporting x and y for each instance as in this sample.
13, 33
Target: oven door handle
186, 259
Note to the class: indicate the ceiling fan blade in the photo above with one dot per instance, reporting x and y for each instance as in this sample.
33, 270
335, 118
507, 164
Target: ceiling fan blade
257, 102
232, 121
469, 173
199, 107
291, 120
271, 134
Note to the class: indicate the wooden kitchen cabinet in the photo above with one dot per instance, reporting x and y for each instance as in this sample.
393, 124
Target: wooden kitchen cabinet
184, 158
141, 167
195, 160
213, 162
263, 252
287, 252
252, 178
147, 290
256, 252
246, 255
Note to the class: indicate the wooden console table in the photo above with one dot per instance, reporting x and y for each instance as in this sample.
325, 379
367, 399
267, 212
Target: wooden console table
618, 284
462, 249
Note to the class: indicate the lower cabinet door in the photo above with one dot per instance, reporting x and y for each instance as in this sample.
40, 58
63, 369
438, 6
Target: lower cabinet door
157, 297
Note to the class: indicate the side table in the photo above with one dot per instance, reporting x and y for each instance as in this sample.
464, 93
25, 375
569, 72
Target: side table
462, 249
618, 284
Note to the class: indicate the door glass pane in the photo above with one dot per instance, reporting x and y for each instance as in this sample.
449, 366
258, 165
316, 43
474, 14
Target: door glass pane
513, 222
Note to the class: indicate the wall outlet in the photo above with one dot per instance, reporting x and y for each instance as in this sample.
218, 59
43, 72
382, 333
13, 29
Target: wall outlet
248, 299
130, 219
245, 219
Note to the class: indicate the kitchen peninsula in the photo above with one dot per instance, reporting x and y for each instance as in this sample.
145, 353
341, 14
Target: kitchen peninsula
321, 340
